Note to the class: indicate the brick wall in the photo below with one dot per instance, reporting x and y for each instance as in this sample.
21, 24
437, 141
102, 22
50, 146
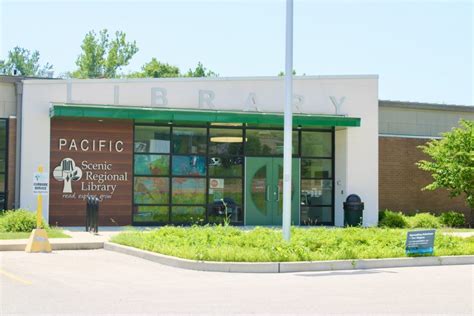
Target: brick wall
400, 180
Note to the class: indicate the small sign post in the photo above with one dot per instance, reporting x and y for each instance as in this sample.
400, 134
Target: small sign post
38, 241
420, 242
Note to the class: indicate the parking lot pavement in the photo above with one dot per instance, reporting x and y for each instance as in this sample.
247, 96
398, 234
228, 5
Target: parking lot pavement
101, 282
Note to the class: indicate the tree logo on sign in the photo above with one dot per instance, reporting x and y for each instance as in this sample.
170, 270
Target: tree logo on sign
67, 171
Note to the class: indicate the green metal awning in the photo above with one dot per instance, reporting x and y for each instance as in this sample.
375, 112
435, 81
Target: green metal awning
188, 115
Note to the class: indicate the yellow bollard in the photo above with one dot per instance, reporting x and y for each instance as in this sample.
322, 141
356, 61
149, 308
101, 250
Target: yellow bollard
38, 241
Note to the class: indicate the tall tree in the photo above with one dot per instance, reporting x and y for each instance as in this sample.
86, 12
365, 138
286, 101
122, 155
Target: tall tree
156, 69
201, 71
22, 61
102, 56
452, 162
282, 73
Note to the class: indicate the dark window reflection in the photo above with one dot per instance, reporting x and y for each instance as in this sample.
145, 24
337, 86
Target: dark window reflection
316, 144
225, 198
316, 168
225, 167
151, 214
152, 139
316, 192
316, 215
188, 215
225, 141
187, 140
267, 142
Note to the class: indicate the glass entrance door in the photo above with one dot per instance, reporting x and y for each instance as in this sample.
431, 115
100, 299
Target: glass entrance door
264, 191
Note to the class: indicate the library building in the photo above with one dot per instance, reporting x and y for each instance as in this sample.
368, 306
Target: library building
183, 151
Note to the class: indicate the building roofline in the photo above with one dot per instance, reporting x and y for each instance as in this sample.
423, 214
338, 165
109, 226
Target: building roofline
12, 79
178, 79
425, 106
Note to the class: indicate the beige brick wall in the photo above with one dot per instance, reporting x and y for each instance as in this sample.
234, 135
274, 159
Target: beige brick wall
400, 180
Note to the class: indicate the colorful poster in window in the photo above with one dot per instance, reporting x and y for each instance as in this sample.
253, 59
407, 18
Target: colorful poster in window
153, 165
151, 190
189, 166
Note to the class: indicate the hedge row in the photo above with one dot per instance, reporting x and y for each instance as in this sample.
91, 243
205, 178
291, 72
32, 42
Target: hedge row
421, 220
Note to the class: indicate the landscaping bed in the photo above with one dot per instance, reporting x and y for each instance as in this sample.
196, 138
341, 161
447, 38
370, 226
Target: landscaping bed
52, 233
231, 244
18, 224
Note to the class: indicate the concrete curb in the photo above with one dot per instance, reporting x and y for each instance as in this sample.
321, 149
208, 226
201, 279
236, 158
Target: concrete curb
243, 267
55, 246
282, 267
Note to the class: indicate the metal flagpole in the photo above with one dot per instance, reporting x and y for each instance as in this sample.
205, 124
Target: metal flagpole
288, 122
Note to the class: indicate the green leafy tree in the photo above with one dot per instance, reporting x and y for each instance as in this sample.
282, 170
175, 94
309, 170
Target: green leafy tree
156, 69
24, 62
282, 73
201, 71
452, 162
102, 56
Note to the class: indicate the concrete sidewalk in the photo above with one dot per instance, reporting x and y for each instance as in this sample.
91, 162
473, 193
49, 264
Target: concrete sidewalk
80, 240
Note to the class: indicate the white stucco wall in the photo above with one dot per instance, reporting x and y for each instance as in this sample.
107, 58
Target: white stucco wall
359, 158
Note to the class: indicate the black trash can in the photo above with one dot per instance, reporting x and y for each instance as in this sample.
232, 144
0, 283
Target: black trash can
353, 210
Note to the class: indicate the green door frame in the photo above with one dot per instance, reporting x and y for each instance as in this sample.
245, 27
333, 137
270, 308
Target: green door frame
264, 191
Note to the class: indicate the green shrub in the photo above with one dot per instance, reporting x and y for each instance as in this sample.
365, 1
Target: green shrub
452, 219
392, 219
18, 221
423, 220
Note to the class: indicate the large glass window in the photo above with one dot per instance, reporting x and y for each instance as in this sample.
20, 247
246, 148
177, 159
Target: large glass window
225, 199
317, 182
316, 168
148, 214
186, 215
189, 166
189, 140
225, 141
225, 166
195, 174
316, 215
3, 163
316, 144
189, 191
152, 139
261, 142
316, 192
156, 165
150, 190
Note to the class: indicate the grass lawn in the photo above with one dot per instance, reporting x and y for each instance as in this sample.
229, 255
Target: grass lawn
52, 233
266, 245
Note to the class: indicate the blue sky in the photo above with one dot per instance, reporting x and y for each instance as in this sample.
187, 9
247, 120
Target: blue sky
422, 50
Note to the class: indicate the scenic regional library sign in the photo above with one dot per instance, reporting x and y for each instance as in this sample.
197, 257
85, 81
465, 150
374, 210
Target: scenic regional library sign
91, 158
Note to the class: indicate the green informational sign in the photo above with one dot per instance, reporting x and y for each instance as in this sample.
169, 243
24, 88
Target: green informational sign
420, 242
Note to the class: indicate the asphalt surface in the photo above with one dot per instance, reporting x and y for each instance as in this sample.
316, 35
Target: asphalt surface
96, 282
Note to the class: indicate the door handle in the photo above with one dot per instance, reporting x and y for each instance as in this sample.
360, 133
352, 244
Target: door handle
277, 193
267, 192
